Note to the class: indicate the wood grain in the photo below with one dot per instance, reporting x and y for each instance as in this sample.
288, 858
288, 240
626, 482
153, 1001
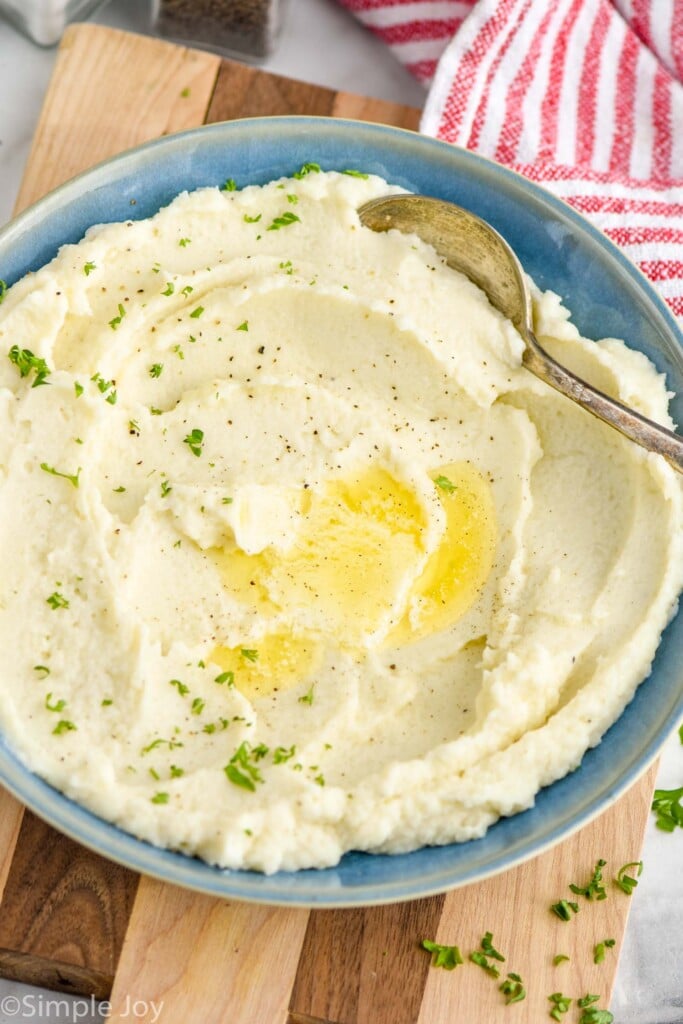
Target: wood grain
246, 92
109, 91
207, 960
64, 911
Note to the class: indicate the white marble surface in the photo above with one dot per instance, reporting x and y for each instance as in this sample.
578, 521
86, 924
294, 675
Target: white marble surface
323, 44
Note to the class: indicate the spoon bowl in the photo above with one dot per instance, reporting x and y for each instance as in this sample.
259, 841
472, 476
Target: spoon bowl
470, 245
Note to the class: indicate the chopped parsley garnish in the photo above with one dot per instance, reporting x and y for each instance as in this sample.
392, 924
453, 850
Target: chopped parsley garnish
593, 1015
107, 702
160, 798
292, 198
249, 653
78, 388
560, 1003
43, 669
448, 957
282, 754
115, 321
25, 362
176, 772
169, 289
187, 290
307, 168
486, 945
229, 186
445, 484
182, 689
600, 948
513, 989
58, 705
119, 490
226, 501
225, 677
171, 744
283, 221
563, 909
71, 477
196, 313
88, 268
244, 326
307, 698
287, 267
57, 600
165, 488
252, 220
184, 242
63, 726
3, 291
355, 174
195, 441
627, 883
594, 889
240, 771
667, 806
320, 780
197, 706
480, 960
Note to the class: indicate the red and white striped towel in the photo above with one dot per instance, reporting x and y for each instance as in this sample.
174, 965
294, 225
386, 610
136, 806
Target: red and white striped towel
584, 96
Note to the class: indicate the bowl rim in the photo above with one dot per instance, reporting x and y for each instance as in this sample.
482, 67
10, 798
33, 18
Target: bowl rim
86, 828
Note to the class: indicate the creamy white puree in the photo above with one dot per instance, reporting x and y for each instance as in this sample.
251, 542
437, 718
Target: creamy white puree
312, 563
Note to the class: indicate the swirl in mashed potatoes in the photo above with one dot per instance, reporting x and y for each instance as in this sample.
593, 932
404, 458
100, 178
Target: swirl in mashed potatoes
297, 558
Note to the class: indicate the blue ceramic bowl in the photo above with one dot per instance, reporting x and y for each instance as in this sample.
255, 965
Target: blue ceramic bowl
607, 296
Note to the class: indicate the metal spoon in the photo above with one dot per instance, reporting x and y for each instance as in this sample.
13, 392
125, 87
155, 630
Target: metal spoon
472, 246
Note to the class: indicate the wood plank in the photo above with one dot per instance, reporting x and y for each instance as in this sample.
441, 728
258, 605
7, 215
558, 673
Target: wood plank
207, 960
212, 960
65, 912
247, 92
110, 91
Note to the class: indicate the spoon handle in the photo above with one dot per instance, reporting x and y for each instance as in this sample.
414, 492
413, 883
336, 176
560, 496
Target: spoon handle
627, 421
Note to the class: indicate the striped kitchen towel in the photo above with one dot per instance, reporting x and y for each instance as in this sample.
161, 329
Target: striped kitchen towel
584, 96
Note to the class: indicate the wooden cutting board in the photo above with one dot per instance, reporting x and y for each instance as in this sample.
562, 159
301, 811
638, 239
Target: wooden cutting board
71, 921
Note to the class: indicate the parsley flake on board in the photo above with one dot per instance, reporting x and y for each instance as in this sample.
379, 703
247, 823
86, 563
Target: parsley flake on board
594, 889
600, 948
560, 1003
667, 806
195, 441
513, 989
563, 909
448, 957
627, 883
25, 362
560, 958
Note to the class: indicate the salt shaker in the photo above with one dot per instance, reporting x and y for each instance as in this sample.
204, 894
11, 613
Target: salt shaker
44, 21
248, 29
